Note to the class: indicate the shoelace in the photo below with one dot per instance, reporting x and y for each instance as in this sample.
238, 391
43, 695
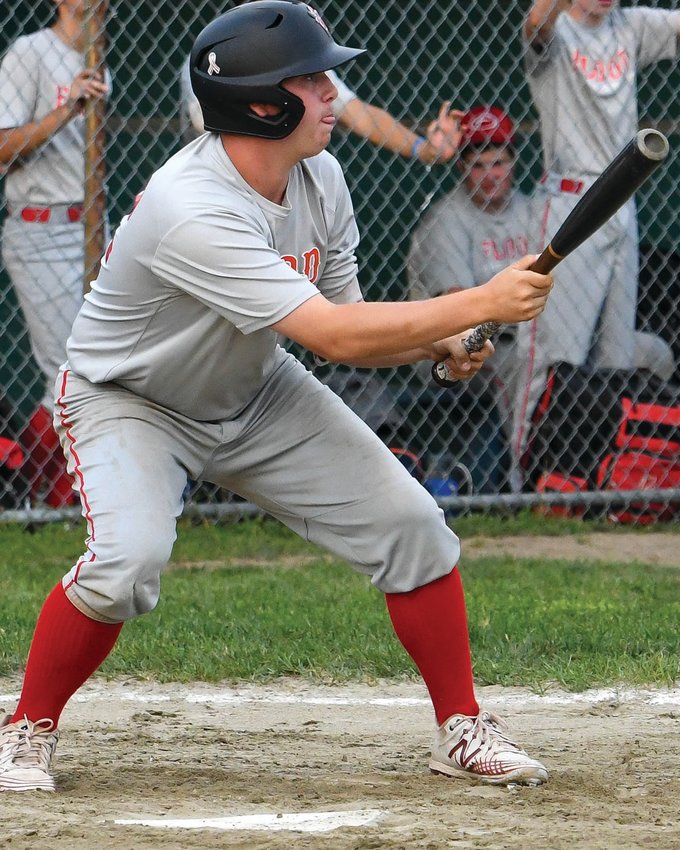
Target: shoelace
487, 729
28, 745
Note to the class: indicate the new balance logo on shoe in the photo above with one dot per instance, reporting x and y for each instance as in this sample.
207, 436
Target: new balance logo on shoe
476, 748
26, 753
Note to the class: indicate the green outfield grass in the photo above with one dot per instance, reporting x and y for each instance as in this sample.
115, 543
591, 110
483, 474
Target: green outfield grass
253, 601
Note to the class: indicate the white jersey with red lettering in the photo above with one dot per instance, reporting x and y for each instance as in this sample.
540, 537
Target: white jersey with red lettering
459, 245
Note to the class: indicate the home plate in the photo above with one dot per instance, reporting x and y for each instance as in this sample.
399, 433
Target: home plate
295, 822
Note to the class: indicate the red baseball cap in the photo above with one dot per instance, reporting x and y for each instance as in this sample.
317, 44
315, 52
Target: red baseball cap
487, 125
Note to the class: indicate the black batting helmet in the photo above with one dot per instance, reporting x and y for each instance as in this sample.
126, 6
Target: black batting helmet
243, 56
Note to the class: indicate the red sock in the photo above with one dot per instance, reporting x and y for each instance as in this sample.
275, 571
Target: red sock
431, 623
67, 648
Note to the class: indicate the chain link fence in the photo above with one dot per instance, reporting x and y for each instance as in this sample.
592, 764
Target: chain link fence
458, 440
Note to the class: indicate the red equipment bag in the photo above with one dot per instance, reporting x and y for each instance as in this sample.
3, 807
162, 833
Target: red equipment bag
637, 470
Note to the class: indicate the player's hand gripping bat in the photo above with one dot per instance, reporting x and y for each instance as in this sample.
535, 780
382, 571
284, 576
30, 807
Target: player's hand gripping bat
617, 183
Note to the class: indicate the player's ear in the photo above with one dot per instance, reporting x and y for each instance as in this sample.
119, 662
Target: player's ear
265, 110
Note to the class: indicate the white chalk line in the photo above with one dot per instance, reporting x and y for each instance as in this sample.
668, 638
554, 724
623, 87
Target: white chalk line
293, 821
263, 696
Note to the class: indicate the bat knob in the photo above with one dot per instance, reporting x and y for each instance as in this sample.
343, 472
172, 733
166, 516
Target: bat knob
441, 375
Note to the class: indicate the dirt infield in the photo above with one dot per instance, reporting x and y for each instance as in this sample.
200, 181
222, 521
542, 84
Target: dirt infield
136, 751
662, 548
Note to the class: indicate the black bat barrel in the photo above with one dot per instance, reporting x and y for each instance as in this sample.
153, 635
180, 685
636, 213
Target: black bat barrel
617, 184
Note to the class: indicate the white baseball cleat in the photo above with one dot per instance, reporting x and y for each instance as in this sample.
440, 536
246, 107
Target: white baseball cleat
476, 748
26, 751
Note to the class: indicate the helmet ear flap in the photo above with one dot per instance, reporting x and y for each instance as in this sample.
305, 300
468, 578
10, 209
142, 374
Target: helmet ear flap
250, 123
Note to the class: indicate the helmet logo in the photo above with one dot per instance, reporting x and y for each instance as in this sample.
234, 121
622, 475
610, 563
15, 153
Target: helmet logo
486, 122
317, 17
213, 67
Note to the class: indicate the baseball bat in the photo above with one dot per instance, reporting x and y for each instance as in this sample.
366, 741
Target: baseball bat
618, 182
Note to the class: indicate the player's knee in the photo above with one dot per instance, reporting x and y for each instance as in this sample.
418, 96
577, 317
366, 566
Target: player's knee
123, 582
415, 546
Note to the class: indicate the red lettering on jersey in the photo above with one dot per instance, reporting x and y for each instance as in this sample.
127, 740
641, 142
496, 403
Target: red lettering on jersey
312, 262
488, 247
600, 71
511, 249
62, 95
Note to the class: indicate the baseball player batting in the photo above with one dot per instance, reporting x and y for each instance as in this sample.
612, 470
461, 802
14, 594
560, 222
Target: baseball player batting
174, 371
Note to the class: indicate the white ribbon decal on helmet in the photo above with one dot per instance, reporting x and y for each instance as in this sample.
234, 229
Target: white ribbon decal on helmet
213, 67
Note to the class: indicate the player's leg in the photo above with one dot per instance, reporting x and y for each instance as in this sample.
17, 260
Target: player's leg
564, 331
131, 471
45, 264
308, 460
614, 344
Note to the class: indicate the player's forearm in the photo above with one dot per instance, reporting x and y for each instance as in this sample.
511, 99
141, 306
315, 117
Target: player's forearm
540, 21
378, 127
387, 361
383, 334
21, 141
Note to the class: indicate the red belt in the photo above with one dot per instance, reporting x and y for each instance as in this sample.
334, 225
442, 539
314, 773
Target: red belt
44, 214
563, 184
575, 187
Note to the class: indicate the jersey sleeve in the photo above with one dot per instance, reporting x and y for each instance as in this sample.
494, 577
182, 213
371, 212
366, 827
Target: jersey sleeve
538, 59
18, 86
439, 257
656, 32
225, 262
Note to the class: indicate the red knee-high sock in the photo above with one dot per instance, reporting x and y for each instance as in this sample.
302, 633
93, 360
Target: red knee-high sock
67, 648
431, 623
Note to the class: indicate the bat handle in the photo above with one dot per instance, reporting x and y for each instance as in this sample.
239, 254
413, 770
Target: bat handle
474, 342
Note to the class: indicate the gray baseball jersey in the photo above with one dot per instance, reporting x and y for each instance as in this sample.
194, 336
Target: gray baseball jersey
584, 84
44, 259
35, 77
459, 245
194, 277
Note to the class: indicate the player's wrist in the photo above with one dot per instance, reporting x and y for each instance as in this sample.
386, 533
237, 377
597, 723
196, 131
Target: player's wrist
417, 148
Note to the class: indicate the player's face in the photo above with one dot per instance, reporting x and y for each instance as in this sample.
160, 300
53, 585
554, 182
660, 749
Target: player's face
488, 175
317, 93
77, 8
595, 8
